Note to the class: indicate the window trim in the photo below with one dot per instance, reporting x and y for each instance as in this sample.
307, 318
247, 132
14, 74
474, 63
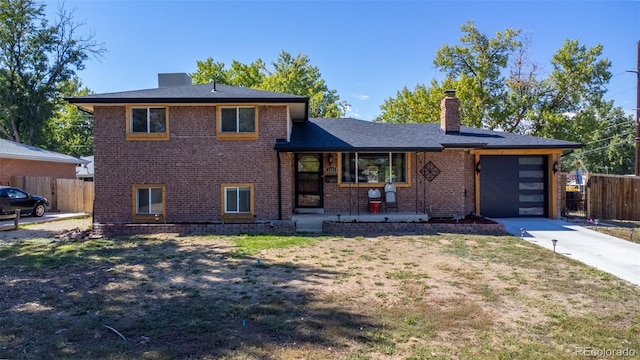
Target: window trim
378, 184
134, 203
236, 216
146, 136
225, 135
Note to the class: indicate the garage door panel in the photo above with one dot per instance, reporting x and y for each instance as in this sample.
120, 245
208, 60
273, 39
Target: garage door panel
513, 186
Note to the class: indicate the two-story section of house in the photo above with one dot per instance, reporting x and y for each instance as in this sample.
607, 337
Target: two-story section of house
218, 154
185, 153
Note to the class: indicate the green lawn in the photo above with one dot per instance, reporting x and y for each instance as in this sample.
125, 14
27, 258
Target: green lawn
444, 296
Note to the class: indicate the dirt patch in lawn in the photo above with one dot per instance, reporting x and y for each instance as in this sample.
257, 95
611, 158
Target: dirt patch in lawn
44, 230
395, 297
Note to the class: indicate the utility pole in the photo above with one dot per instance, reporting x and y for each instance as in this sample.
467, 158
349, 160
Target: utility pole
638, 113
637, 139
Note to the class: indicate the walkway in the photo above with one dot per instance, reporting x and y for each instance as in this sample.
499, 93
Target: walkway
607, 253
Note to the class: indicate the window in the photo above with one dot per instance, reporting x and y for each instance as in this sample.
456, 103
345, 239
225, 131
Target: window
147, 123
148, 202
237, 201
374, 168
237, 123
16, 194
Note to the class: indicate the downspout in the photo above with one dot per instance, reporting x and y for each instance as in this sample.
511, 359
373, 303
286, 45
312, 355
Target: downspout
416, 183
279, 186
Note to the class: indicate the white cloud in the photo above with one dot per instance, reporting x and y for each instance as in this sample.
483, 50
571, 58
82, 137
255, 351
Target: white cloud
352, 113
362, 97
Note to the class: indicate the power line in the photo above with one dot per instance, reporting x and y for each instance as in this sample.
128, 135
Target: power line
630, 141
611, 137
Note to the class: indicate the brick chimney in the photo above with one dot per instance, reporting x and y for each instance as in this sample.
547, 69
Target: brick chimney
450, 113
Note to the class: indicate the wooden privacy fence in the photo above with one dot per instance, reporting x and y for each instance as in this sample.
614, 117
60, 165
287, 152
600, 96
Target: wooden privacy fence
66, 195
613, 197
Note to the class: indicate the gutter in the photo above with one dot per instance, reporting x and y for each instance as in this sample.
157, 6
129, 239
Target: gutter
192, 100
285, 148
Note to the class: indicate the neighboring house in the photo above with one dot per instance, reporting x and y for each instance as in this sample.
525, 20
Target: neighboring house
213, 153
85, 171
18, 159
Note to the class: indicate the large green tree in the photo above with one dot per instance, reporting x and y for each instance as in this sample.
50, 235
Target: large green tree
499, 87
476, 70
70, 130
35, 57
608, 136
478, 65
290, 74
239, 74
576, 84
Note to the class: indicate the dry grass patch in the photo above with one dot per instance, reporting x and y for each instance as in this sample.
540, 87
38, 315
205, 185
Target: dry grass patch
444, 296
624, 231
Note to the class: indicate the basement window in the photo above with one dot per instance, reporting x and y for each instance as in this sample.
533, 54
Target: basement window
148, 202
237, 201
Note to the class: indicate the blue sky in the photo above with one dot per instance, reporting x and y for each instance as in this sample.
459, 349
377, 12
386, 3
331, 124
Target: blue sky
366, 50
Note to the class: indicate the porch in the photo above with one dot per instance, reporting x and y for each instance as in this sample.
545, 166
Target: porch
312, 223
392, 224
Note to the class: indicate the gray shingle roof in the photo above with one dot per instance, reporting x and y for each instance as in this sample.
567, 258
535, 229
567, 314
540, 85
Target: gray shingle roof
188, 93
195, 94
13, 150
359, 135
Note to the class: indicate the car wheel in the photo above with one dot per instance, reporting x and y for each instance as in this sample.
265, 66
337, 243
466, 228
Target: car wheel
39, 210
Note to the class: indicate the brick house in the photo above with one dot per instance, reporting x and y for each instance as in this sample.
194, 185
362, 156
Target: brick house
217, 154
18, 159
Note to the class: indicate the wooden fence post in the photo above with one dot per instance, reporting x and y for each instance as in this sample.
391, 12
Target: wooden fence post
16, 221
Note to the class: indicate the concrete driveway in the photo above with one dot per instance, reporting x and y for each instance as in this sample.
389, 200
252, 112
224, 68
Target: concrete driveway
607, 253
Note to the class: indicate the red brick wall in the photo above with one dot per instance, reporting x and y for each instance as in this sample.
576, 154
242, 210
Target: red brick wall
446, 193
450, 114
192, 165
442, 197
18, 167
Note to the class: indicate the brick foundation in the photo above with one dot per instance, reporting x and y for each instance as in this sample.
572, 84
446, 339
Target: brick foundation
268, 227
404, 228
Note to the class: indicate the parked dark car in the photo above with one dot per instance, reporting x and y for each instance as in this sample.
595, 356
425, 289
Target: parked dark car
12, 199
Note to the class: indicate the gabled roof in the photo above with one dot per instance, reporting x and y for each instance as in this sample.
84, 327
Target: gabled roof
13, 150
195, 94
359, 135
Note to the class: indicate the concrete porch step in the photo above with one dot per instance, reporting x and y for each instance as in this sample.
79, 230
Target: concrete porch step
309, 211
308, 223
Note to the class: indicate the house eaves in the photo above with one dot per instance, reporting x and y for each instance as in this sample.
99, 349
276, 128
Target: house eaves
195, 95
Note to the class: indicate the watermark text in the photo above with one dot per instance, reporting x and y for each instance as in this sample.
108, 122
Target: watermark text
603, 353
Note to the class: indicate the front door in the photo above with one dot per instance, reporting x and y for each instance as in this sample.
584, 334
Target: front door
308, 180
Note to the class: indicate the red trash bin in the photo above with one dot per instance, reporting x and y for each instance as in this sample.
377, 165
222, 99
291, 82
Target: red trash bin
374, 207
